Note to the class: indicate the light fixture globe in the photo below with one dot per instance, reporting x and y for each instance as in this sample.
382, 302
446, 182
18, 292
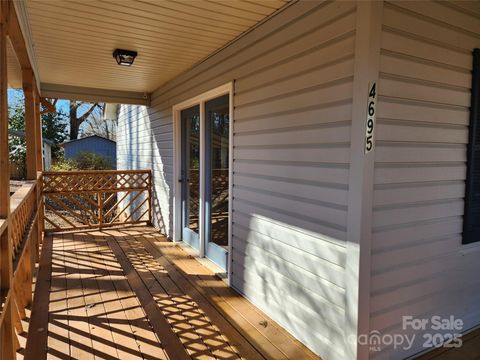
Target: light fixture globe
124, 57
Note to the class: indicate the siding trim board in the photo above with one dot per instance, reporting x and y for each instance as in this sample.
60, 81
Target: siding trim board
471, 228
360, 195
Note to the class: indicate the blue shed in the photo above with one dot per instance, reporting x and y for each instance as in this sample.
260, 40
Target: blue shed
94, 144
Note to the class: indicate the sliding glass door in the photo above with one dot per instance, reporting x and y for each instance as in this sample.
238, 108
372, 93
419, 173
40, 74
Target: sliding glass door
217, 125
205, 171
190, 176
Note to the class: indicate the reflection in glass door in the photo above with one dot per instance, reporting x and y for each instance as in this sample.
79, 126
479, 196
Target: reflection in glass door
217, 130
205, 177
190, 175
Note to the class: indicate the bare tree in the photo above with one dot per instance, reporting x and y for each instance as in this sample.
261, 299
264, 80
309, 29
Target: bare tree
79, 113
97, 125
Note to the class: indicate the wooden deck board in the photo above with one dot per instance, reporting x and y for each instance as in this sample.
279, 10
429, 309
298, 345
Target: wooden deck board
169, 340
197, 333
37, 335
58, 309
131, 336
81, 345
242, 312
470, 350
99, 324
275, 341
128, 293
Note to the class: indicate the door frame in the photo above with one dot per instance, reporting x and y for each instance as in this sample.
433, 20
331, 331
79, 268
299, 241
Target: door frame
177, 167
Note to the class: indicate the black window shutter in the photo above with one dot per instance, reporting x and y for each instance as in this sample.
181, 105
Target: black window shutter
471, 219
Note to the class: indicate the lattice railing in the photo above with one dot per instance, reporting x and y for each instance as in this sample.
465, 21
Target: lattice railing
22, 234
96, 199
22, 211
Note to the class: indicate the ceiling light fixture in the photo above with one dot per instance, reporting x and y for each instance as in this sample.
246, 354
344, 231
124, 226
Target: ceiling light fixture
124, 57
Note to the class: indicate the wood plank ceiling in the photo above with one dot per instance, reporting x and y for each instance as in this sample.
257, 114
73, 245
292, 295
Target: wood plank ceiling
74, 40
14, 69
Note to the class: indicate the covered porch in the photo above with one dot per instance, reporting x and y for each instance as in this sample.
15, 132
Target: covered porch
83, 278
84, 270
94, 292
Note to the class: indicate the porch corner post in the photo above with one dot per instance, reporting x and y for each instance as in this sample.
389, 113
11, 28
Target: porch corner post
38, 133
30, 124
361, 179
150, 211
7, 341
31, 129
39, 161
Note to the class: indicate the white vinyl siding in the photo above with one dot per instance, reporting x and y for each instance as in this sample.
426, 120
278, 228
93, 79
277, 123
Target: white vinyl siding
419, 265
292, 110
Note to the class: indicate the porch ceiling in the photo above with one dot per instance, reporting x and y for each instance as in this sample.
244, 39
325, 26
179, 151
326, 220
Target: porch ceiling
73, 41
14, 69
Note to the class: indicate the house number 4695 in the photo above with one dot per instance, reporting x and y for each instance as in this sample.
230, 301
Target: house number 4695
370, 125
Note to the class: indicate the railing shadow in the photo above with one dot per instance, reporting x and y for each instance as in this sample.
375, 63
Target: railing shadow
94, 310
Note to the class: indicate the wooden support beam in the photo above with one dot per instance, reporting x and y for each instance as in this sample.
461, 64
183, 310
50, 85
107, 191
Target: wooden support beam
39, 161
14, 32
8, 337
6, 258
48, 105
31, 128
30, 124
18, 293
4, 155
94, 94
38, 134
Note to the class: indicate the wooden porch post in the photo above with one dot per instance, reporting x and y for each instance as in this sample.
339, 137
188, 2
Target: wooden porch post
38, 133
7, 344
30, 124
31, 165
39, 162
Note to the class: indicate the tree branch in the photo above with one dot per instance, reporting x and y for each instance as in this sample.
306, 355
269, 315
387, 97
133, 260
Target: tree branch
85, 116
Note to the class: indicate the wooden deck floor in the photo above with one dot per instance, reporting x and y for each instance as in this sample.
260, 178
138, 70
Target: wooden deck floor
470, 350
130, 294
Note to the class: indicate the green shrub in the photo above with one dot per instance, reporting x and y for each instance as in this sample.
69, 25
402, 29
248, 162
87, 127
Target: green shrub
84, 161
92, 161
64, 165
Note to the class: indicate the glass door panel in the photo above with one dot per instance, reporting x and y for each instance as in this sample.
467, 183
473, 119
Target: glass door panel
190, 175
217, 129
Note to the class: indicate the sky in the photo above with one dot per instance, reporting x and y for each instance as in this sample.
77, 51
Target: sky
16, 95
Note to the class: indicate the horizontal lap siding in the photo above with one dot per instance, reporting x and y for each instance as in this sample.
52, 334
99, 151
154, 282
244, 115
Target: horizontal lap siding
144, 141
293, 94
419, 266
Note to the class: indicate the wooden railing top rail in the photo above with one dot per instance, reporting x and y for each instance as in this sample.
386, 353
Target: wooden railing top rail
5, 296
93, 181
23, 205
80, 172
3, 225
21, 195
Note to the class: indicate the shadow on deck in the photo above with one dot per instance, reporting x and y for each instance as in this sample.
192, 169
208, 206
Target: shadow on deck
470, 350
130, 294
